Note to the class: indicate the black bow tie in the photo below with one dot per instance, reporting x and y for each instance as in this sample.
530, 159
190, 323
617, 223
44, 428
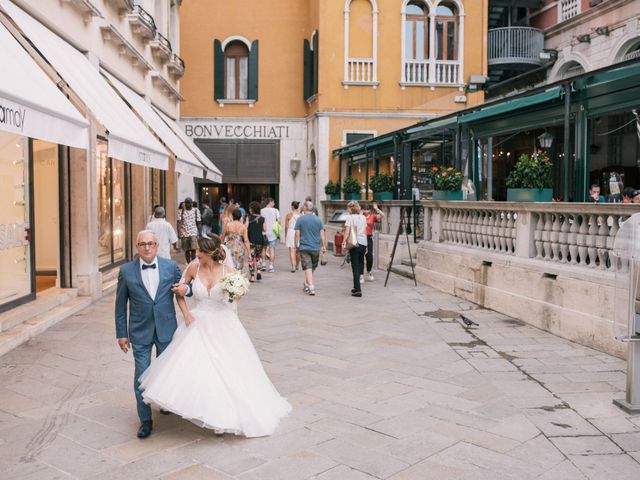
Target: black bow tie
144, 266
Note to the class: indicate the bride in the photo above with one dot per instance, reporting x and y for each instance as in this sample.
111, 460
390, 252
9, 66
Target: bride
210, 373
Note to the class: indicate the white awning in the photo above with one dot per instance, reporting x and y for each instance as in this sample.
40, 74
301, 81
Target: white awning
31, 104
186, 161
129, 139
213, 173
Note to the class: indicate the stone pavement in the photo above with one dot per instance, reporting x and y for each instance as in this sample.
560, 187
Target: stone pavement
390, 385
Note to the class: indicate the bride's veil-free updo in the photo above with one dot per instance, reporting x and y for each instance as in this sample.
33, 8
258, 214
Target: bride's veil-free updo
212, 246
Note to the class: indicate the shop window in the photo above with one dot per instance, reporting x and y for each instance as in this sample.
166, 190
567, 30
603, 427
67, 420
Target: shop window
112, 208
235, 71
15, 250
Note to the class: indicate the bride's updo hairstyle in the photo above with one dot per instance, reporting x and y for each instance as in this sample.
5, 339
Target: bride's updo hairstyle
212, 246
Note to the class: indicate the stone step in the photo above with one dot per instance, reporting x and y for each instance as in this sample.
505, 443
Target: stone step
45, 301
37, 324
403, 270
408, 262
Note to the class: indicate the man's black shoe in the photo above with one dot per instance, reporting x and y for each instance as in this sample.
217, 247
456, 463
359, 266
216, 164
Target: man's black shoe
353, 290
165, 412
145, 429
356, 294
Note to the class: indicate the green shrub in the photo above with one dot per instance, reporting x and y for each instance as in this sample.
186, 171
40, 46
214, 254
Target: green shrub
351, 185
332, 188
383, 182
445, 178
531, 171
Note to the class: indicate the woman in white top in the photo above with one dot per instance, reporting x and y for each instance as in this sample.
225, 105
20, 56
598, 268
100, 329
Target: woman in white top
290, 235
356, 231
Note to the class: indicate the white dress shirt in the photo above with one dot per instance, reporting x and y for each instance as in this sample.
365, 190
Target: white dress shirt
151, 277
166, 236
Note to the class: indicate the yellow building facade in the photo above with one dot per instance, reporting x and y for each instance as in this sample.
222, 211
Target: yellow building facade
272, 88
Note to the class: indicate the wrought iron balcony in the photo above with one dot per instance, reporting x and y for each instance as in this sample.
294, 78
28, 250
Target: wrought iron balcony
142, 23
515, 46
176, 66
161, 47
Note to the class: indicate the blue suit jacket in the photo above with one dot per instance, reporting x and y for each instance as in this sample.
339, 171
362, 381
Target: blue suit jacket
145, 314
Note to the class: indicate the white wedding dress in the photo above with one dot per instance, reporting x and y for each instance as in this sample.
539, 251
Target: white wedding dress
210, 373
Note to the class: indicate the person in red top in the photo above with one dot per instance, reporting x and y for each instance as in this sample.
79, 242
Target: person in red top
372, 218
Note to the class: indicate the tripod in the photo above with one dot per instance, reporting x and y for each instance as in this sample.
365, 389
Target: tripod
403, 226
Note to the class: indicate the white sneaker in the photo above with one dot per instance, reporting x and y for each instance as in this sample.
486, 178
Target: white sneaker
361, 278
305, 287
312, 290
370, 277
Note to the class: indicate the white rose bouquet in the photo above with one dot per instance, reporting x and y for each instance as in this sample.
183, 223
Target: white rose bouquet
235, 285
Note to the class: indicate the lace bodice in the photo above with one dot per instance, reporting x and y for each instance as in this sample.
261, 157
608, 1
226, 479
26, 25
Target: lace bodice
214, 298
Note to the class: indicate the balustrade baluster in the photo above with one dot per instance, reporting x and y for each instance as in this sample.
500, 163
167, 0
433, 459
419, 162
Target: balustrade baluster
537, 236
510, 234
554, 235
562, 238
591, 240
572, 238
546, 233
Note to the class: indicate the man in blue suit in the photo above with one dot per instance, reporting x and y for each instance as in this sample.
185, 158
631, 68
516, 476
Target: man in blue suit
147, 285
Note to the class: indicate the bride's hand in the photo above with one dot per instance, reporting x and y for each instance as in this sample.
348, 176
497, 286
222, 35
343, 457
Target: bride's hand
188, 319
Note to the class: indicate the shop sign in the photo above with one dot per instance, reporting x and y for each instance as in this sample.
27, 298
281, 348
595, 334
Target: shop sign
12, 115
13, 235
236, 131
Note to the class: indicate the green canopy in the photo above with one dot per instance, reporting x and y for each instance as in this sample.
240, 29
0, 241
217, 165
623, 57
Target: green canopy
511, 105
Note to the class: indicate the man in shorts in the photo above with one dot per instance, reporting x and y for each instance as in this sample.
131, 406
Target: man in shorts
271, 216
311, 240
189, 224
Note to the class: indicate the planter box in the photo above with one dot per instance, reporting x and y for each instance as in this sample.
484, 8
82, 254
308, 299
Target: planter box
333, 196
353, 196
529, 194
379, 196
447, 195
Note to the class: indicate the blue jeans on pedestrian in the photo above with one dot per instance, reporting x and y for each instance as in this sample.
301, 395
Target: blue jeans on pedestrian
142, 359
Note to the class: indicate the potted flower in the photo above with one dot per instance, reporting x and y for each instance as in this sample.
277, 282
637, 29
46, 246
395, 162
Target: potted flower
332, 189
530, 179
351, 188
382, 186
446, 183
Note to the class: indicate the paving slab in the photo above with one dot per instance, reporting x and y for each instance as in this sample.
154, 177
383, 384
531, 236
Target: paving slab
390, 385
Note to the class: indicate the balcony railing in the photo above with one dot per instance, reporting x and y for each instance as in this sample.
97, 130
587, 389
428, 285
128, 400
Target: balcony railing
515, 45
142, 23
632, 55
361, 70
176, 66
431, 72
161, 47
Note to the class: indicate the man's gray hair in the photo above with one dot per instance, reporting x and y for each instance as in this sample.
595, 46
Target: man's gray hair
159, 212
146, 232
308, 206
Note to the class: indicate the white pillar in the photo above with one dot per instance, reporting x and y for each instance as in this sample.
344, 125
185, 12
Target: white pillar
460, 49
403, 19
346, 44
375, 45
432, 47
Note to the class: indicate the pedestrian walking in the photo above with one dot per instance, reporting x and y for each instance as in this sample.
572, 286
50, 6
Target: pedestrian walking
207, 220
311, 240
144, 311
221, 209
164, 232
255, 233
235, 238
309, 199
290, 235
356, 241
372, 218
271, 217
189, 225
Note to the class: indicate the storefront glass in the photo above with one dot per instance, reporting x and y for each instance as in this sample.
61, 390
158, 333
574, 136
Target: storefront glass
15, 251
615, 153
111, 208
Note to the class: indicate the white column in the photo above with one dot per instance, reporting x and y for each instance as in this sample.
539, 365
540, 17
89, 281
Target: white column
375, 45
346, 44
403, 74
461, 49
432, 46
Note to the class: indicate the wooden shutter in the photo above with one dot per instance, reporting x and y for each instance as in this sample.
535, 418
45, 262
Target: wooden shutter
218, 71
308, 72
314, 87
253, 71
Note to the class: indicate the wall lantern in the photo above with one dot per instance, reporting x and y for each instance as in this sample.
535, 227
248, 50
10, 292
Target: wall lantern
294, 165
546, 139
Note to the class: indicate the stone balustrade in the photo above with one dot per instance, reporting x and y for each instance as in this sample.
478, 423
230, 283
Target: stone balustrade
577, 234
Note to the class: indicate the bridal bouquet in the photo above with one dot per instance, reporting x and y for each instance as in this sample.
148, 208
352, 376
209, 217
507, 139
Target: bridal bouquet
235, 285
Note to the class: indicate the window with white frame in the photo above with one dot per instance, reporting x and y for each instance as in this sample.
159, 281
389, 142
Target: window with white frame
359, 68
236, 62
432, 43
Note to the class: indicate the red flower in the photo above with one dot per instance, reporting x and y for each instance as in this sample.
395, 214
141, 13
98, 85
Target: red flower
444, 174
434, 169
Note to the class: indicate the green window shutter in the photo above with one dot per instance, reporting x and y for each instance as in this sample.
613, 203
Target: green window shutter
253, 71
218, 71
308, 73
314, 87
